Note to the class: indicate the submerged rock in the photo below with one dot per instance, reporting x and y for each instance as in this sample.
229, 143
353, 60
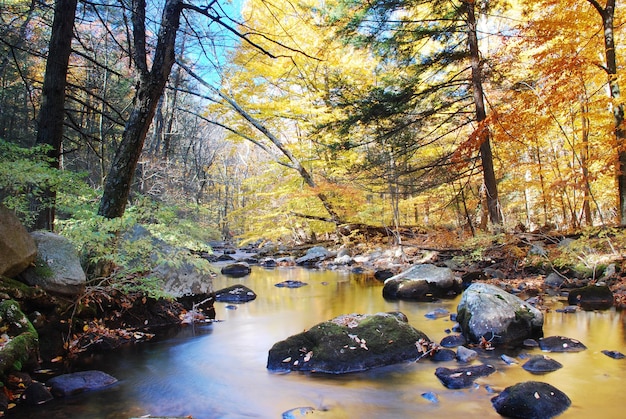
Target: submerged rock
561, 344
290, 283
531, 400
349, 343
423, 283
79, 382
487, 312
462, 377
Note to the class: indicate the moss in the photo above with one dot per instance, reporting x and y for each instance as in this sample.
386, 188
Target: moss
41, 268
24, 339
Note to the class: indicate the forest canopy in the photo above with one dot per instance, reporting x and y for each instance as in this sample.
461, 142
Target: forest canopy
288, 119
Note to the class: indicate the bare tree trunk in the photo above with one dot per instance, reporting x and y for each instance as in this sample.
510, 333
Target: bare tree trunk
149, 89
607, 13
486, 156
52, 111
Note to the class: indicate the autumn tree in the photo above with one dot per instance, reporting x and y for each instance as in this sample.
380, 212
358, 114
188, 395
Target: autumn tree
425, 89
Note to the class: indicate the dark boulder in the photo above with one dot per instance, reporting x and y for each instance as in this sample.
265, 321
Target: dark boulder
422, 283
591, 297
442, 355
488, 312
79, 382
236, 270
35, 394
235, 294
531, 400
561, 344
349, 343
540, 364
452, 341
383, 274
462, 377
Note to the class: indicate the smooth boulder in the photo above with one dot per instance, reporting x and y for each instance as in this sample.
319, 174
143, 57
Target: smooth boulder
489, 313
349, 343
424, 282
79, 382
57, 268
531, 400
17, 247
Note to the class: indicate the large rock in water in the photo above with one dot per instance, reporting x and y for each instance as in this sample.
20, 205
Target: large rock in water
57, 268
349, 343
17, 247
423, 283
486, 311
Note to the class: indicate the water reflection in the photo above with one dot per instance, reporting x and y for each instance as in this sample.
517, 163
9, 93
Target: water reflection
218, 371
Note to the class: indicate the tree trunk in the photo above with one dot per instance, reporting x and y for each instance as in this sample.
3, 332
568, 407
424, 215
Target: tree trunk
52, 111
486, 156
149, 90
607, 13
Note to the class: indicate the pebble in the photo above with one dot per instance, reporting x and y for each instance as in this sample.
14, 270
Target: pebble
431, 397
508, 360
614, 354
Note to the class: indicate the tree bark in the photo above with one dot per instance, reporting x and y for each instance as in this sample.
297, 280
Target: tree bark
607, 14
486, 155
52, 111
150, 87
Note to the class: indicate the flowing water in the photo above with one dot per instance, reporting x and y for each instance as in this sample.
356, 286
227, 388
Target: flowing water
218, 370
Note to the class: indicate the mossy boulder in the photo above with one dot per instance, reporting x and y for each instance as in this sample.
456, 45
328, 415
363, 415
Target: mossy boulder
350, 343
20, 342
488, 312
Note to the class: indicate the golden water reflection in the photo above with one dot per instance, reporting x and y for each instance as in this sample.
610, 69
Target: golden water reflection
219, 371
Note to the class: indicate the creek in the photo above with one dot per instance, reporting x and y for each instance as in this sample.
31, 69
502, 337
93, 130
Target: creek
218, 370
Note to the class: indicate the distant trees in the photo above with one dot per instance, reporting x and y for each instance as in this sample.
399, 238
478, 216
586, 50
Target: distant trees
383, 112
